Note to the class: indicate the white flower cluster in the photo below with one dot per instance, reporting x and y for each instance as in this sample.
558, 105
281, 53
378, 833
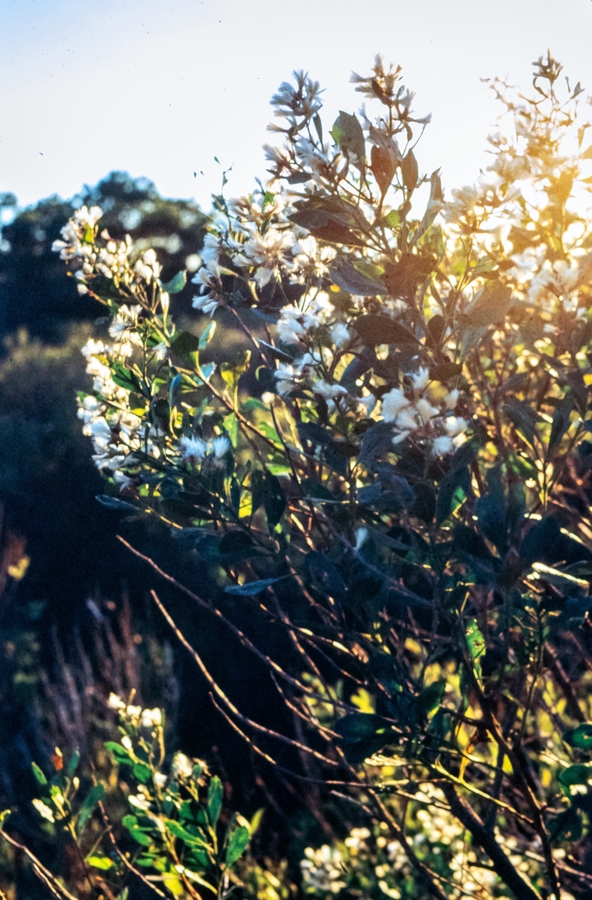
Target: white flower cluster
112, 260
78, 243
262, 245
116, 431
422, 409
297, 104
322, 870
135, 716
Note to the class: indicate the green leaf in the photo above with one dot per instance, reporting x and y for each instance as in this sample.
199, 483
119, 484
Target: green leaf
124, 377
207, 335
579, 738
141, 837
376, 329
142, 772
215, 795
475, 644
120, 754
251, 588
176, 284
182, 833
129, 822
347, 132
100, 862
577, 774
237, 844
38, 773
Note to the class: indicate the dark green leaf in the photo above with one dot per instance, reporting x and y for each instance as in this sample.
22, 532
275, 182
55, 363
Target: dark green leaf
325, 575
119, 753
376, 329
236, 545
356, 726
567, 826
142, 772
425, 502
185, 343
124, 377
73, 763
431, 697
580, 738
453, 489
578, 774
347, 132
445, 371
176, 284
561, 421
182, 833
349, 279
310, 431
94, 796
274, 501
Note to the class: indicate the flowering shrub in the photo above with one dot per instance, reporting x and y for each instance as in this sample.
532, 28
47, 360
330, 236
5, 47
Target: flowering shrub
395, 465
172, 816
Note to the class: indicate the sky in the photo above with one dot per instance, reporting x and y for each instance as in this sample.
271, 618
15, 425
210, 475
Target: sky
160, 87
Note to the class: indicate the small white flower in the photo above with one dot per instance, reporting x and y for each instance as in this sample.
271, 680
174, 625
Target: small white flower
405, 420
328, 391
425, 410
151, 718
361, 537
115, 702
454, 426
420, 379
393, 403
140, 802
340, 335
182, 766
442, 445
220, 446
193, 448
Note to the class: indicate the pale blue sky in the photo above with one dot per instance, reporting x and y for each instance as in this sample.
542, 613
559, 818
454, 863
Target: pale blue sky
160, 87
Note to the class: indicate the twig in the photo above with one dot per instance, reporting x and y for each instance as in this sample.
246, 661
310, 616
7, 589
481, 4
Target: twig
226, 700
40, 871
